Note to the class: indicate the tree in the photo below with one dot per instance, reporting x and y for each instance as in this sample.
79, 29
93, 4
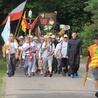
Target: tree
90, 29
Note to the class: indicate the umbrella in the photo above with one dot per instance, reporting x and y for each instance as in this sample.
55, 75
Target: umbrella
85, 78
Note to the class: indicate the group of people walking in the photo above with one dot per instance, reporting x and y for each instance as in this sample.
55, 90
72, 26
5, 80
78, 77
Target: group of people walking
47, 54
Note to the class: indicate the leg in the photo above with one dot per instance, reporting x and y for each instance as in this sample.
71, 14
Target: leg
8, 65
64, 66
50, 66
45, 65
13, 63
59, 66
25, 65
30, 63
95, 75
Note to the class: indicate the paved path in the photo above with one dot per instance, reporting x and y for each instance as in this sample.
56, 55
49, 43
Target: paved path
57, 86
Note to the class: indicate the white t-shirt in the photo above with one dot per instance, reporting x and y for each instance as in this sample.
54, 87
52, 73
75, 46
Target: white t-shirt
64, 46
12, 47
45, 52
58, 47
25, 45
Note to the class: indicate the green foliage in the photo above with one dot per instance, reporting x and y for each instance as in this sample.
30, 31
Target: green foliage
90, 29
86, 38
2, 73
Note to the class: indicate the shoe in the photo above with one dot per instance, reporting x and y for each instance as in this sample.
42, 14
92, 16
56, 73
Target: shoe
50, 75
55, 71
9, 75
69, 75
58, 71
96, 94
29, 75
76, 74
72, 76
13, 73
63, 73
41, 72
45, 75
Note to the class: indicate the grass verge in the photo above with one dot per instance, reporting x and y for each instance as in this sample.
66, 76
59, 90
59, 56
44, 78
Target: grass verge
2, 73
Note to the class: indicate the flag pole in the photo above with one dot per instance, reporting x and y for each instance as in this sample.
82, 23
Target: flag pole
18, 23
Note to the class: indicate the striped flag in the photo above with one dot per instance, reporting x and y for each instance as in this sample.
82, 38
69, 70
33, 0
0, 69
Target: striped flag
16, 13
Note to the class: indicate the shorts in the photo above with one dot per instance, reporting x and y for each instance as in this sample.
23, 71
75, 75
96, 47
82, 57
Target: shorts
95, 73
47, 62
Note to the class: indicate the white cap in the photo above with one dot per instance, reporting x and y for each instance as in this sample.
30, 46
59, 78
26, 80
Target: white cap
31, 36
53, 36
35, 38
21, 37
65, 35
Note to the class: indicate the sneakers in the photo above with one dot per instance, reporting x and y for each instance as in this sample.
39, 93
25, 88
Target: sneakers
29, 75
46, 74
72, 75
41, 72
50, 75
76, 74
96, 94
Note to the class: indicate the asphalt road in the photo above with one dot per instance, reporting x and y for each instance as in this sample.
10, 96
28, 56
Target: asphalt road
57, 86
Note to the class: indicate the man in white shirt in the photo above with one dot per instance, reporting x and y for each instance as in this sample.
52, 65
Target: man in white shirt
47, 55
10, 52
64, 60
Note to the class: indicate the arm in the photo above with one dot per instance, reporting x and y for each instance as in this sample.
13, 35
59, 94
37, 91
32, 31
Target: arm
87, 62
80, 49
68, 50
4, 50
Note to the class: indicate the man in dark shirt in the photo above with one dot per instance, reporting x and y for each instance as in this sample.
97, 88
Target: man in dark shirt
74, 53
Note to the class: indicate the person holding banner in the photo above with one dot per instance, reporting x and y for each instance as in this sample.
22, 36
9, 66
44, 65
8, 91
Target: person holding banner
93, 61
10, 52
27, 51
48, 49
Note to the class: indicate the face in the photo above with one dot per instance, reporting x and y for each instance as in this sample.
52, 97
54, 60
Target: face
11, 38
31, 39
21, 39
74, 35
27, 40
42, 40
96, 41
53, 39
49, 40
36, 40
65, 39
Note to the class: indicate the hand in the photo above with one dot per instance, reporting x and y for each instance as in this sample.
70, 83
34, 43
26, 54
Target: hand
80, 56
67, 57
17, 56
28, 47
3, 55
48, 54
87, 68
20, 58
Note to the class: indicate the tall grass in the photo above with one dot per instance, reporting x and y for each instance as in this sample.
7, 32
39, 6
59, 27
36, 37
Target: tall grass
2, 73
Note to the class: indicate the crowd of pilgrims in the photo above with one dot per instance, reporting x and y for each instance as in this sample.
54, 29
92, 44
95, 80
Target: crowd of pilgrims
46, 55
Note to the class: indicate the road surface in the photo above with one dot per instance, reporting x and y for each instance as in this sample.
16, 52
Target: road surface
57, 86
